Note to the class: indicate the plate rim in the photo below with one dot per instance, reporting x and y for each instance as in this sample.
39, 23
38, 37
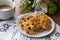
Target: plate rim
52, 29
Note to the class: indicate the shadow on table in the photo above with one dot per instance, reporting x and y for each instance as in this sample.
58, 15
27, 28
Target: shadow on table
55, 17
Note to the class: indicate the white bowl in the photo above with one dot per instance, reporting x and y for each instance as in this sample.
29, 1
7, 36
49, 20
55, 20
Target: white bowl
41, 34
7, 13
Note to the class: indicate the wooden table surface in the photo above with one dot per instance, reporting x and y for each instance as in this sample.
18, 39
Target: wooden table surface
55, 17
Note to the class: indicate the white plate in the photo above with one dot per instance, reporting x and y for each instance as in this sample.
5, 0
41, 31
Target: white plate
41, 34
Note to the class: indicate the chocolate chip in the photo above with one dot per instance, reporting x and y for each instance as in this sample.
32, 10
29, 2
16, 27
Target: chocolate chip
23, 18
22, 25
31, 20
27, 31
32, 23
20, 22
43, 21
38, 23
35, 30
34, 19
29, 28
35, 26
28, 18
39, 28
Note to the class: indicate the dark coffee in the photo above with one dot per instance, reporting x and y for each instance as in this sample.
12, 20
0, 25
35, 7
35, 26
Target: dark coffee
5, 7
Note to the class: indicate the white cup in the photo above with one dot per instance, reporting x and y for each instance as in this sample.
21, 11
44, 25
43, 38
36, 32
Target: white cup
6, 14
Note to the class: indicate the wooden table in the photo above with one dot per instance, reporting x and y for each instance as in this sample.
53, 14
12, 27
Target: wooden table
55, 17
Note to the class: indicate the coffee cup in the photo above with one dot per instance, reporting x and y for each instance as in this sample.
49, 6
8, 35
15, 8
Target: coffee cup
7, 9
